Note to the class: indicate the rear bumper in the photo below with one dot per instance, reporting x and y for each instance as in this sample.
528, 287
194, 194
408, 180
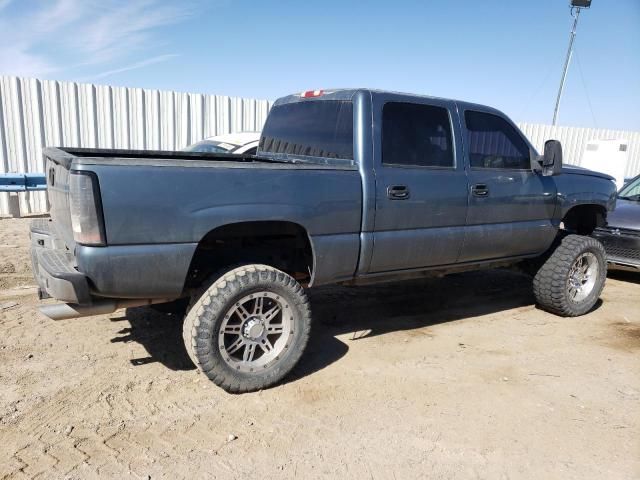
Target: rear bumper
88, 274
622, 247
54, 266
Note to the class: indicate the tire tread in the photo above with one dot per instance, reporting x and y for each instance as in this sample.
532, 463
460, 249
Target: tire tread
208, 303
549, 283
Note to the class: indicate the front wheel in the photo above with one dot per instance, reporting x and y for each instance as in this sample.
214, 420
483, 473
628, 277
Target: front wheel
570, 282
249, 328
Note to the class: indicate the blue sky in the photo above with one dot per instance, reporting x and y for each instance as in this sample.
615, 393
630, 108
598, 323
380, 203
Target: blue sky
504, 53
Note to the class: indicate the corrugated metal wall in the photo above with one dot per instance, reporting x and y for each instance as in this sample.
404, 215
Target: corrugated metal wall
36, 113
574, 141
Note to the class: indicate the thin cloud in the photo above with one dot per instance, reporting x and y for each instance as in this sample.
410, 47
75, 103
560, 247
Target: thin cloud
133, 66
85, 35
17, 61
132, 25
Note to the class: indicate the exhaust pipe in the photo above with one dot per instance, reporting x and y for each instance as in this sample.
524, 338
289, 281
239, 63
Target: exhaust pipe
63, 311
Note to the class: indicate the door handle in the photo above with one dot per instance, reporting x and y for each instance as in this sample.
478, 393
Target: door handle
480, 190
398, 192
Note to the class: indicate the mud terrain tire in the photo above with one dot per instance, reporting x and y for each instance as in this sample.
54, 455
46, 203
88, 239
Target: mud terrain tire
249, 328
571, 280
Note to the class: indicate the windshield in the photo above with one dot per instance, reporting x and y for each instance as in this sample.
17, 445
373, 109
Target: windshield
631, 191
211, 146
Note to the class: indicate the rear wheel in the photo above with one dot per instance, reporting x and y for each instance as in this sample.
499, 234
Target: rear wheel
249, 328
571, 280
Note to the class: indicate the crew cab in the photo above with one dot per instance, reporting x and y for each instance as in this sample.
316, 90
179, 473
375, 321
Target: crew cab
348, 186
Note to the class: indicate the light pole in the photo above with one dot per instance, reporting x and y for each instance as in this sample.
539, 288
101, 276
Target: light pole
576, 6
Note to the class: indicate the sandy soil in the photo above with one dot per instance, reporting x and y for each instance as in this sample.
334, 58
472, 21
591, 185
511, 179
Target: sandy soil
454, 378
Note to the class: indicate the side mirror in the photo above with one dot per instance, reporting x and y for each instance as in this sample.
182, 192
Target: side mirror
552, 158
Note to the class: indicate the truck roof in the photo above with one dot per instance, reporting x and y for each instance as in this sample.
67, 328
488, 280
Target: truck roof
349, 93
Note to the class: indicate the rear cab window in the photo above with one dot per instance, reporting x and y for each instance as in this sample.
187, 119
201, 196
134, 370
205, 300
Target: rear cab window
310, 128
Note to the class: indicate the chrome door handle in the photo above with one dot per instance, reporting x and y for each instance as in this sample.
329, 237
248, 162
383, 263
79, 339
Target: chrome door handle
480, 190
398, 192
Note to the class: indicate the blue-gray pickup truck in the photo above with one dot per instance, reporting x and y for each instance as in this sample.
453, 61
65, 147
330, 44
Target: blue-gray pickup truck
348, 186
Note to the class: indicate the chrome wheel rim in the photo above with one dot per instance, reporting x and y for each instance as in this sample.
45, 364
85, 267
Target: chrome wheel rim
583, 276
256, 331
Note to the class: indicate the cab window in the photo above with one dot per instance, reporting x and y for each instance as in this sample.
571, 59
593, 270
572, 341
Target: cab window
492, 142
416, 135
315, 128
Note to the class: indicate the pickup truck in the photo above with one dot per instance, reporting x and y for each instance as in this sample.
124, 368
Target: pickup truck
348, 186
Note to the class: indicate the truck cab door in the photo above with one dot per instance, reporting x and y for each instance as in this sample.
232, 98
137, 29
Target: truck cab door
421, 185
511, 207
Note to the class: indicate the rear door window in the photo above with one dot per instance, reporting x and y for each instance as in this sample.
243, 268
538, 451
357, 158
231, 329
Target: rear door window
316, 128
416, 135
495, 143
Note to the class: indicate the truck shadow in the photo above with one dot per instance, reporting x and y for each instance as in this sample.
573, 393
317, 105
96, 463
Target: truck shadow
159, 333
358, 312
624, 276
369, 311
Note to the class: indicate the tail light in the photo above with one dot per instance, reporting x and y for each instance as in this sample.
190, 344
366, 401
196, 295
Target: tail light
86, 209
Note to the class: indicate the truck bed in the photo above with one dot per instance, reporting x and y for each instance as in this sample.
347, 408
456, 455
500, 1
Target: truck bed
157, 206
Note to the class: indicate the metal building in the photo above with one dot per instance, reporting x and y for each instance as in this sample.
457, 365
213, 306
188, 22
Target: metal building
574, 141
36, 113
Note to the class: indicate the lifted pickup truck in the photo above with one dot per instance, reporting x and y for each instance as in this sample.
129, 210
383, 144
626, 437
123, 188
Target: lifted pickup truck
348, 186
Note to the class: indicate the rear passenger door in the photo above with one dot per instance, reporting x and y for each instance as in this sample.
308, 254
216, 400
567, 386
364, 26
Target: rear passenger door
510, 206
421, 186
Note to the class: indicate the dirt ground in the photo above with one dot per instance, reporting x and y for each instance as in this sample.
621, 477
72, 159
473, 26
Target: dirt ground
461, 377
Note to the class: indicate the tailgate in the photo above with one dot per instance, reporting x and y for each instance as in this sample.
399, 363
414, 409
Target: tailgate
58, 166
